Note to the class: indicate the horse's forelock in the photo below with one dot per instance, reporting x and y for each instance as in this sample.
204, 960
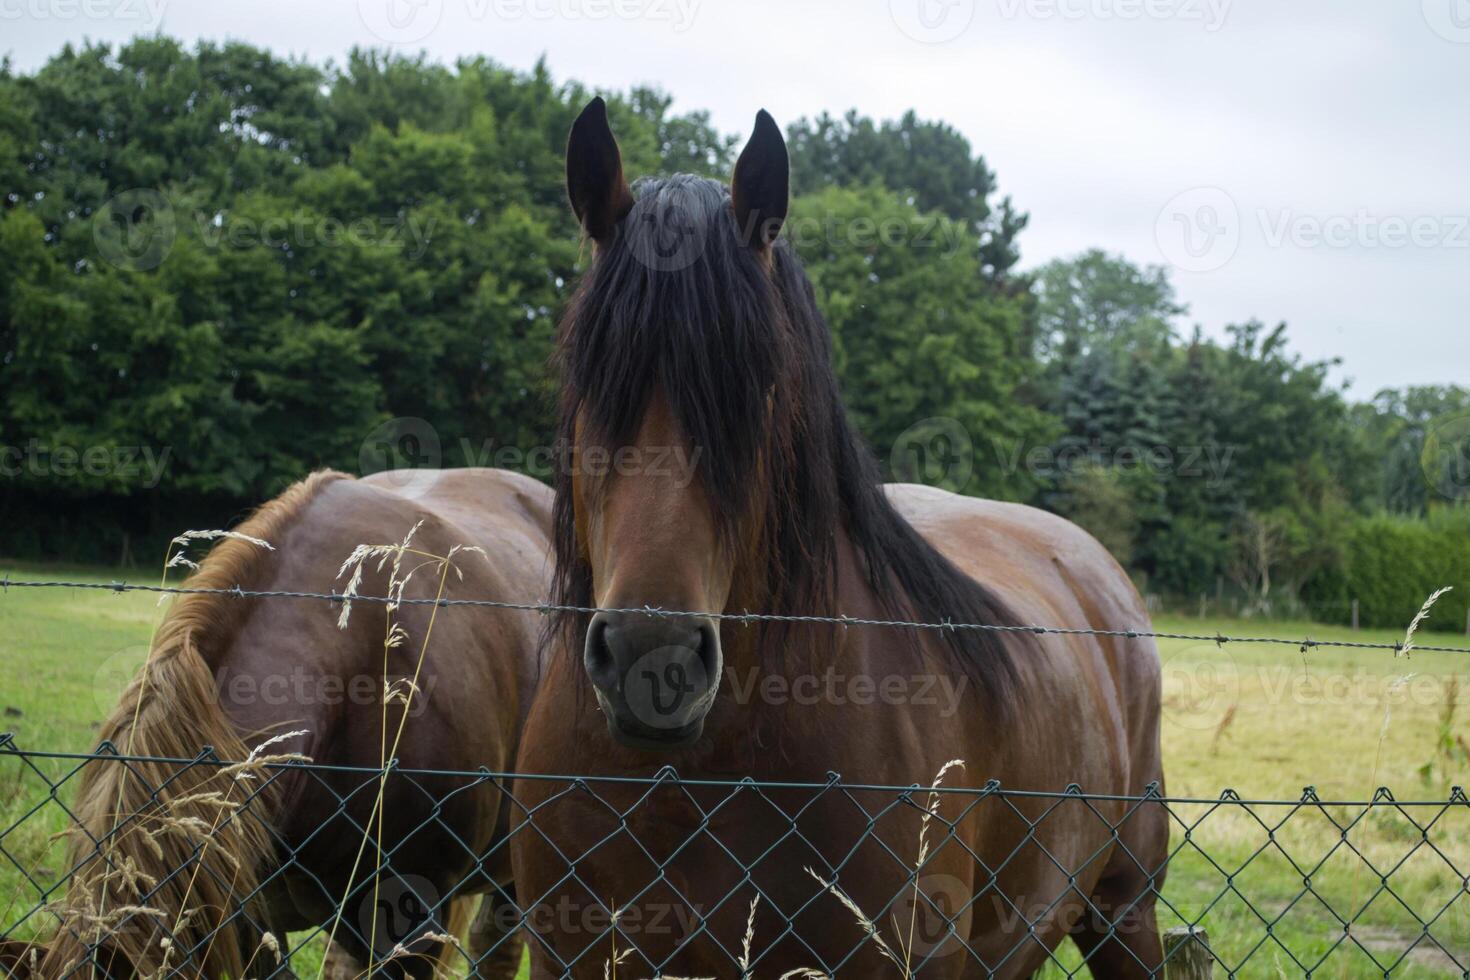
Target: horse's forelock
732, 337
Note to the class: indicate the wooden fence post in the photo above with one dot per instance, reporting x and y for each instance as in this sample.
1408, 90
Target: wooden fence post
1355, 615
1188, 953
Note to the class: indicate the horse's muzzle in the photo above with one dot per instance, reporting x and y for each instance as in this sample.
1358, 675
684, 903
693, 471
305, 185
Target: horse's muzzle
655, 678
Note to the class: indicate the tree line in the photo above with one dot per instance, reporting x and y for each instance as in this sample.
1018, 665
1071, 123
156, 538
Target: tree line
226, 268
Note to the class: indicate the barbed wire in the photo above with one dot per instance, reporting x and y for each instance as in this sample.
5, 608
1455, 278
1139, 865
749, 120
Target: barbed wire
747, 618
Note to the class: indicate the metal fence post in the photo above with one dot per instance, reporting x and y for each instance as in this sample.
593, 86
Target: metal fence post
1355, 615
1188, 953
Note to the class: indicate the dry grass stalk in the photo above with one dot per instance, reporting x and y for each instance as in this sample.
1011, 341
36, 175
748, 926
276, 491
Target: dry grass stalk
153, 819
400, 691
1226, 720
1418, 620
931, 807
865, 923
749, 938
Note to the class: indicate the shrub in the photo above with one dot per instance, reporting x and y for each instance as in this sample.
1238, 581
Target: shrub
1393, 564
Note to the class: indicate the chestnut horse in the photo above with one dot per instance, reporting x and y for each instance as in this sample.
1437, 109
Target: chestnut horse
695, 336
232, 673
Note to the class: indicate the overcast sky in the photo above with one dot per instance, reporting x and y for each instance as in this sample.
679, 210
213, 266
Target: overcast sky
1298, 160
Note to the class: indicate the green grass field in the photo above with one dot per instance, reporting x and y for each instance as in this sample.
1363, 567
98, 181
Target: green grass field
1264, 721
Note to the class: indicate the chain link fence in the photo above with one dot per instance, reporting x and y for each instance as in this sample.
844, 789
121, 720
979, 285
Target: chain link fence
1306, 887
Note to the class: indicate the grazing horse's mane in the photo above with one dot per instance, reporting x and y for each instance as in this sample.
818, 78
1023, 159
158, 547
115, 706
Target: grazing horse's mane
731, 337
169, 711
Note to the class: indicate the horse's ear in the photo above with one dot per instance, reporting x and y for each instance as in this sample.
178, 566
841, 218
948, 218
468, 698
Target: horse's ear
760, 192
595, 182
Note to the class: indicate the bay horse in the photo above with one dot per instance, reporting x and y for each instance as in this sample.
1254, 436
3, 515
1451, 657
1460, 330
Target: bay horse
235, 674
694, 334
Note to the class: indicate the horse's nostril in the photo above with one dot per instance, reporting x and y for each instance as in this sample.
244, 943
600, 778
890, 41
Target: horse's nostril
709, 649
601, 665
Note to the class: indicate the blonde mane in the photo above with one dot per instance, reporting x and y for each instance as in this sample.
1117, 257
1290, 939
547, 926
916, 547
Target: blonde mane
164, 853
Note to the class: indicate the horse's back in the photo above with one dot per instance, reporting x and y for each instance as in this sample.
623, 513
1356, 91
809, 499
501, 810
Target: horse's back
1015, 550
1050, 572
510, 509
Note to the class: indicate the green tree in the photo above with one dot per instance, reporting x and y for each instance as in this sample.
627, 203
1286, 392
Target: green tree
929, 163
918, 333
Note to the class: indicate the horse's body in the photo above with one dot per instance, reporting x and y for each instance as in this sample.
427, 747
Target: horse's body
232, 673
1093, 722
725, 355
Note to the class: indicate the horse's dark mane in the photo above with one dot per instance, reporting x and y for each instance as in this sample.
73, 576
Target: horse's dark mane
734, 341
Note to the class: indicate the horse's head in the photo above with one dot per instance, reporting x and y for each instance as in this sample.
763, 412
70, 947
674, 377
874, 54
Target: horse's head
678, 361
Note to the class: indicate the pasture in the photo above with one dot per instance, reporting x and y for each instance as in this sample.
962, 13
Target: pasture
1263, 720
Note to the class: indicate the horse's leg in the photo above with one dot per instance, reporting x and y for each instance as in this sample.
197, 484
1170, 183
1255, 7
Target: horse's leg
1119, 938
341, 964
494, 944
1123, 948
